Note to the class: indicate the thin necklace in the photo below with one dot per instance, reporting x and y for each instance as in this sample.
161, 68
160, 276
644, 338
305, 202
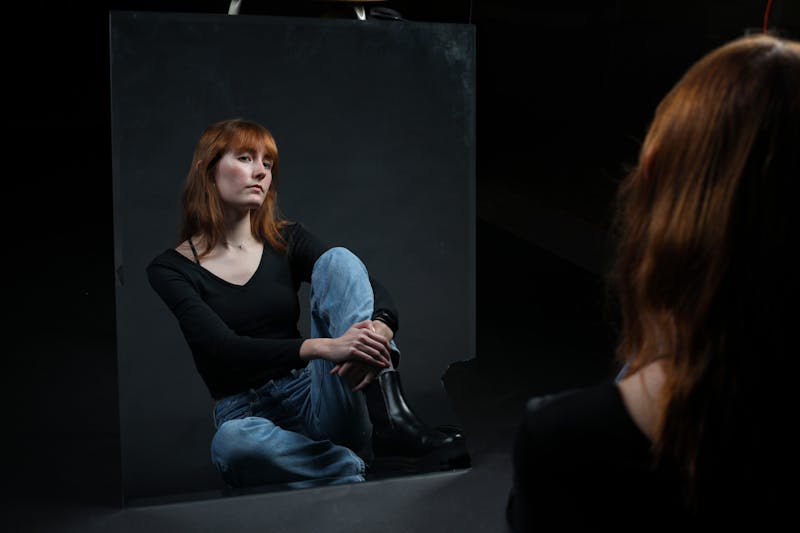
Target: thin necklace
229, 244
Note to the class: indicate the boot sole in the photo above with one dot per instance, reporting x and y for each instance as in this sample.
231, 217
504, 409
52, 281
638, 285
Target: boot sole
427, 463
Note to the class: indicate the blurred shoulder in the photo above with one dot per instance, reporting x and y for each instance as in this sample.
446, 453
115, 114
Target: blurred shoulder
186, 250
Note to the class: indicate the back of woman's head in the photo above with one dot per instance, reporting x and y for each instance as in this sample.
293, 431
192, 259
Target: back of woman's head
704, 271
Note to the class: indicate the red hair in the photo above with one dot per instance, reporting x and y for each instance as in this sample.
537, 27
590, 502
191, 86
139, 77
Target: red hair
202, 212
706, 222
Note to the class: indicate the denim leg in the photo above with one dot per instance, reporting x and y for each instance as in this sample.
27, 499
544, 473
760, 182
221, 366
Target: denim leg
341, 296
261, 439
305, 426
254, 451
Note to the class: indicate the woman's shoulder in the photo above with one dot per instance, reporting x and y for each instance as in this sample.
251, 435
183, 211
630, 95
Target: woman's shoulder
188, 249
176, 258
575, 403
289, 228
580, 458
185, 249
577, 455
302, 241
566, 421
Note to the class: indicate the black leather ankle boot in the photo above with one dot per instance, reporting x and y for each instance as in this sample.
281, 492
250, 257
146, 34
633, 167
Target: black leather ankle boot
398, 432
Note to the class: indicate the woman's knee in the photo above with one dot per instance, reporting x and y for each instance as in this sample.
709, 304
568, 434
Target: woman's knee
237, 441
241, 445
339, 253
339, 260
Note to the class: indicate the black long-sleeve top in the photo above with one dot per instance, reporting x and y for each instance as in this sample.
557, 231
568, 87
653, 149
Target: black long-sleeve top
241, 336
580, 463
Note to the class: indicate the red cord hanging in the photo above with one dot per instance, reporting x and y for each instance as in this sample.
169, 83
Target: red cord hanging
766, 15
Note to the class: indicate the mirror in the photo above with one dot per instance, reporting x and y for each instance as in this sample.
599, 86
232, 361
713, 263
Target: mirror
374, 122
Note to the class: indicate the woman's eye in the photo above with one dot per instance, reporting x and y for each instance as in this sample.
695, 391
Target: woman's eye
244, 158
268, 165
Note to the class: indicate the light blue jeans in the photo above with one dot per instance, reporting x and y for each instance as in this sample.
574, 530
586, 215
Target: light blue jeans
308, 425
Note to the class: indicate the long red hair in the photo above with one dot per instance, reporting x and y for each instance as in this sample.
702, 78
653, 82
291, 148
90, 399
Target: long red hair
202, 211
704, 274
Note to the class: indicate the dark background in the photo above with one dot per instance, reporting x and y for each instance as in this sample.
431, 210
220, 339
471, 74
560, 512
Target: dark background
565, 91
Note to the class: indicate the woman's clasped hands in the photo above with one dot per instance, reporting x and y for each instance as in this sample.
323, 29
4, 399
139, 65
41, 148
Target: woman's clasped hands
360, 354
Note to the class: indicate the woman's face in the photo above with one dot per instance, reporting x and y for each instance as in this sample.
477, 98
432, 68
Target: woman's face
243, 179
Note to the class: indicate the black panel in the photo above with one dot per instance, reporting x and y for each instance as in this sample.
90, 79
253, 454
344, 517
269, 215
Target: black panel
375, 125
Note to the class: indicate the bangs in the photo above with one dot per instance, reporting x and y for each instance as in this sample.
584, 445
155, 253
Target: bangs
252, 137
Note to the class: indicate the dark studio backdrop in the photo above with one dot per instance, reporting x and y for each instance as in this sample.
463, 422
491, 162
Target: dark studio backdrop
564, 92
374, 122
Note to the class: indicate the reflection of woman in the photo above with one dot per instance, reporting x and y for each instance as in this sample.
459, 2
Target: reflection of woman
287, 408
696, 429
